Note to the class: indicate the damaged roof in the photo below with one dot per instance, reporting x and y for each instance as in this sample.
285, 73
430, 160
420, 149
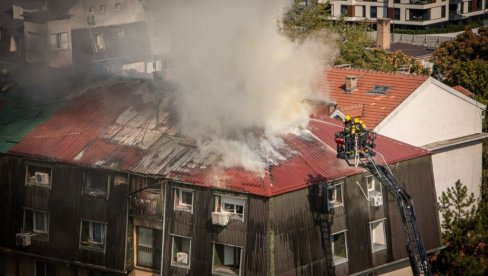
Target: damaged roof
122, 126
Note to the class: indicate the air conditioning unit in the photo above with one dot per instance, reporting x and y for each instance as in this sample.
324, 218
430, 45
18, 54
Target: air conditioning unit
182, 258
220, 218
23, 239
41, 178
377, 201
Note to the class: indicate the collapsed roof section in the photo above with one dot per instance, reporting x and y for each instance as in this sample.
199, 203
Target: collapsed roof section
126, 126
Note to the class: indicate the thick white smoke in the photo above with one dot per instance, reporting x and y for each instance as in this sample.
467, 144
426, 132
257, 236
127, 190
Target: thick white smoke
240, 83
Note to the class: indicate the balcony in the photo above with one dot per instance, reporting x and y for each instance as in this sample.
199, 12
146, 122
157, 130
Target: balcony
146, 205
422, 2
148, 257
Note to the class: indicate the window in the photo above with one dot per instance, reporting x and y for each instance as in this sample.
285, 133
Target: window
374, 187
226, 259
344, 10
181, 252
91, 9
13, 44
121, 33
234, 206
373, 12
96, 184
45, 269
59, 41
396, 1
117, 6
148, 247
184, 200
334, 194
379, 89
101, 8
99, 43
443, 11
378, 235
36, 221
37, 175
339, 247
396, 14
92, 235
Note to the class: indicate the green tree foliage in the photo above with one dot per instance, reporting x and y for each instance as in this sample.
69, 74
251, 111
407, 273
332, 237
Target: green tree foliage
354, 43
464, 61
464, 234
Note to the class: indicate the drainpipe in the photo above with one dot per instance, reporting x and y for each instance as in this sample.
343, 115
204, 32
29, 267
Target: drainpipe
164, 227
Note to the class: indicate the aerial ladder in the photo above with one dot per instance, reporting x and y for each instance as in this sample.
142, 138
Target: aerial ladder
358, 149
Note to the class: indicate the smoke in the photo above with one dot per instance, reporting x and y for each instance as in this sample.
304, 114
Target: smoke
240, 83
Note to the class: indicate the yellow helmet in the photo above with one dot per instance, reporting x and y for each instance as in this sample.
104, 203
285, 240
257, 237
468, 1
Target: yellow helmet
363, 125
347, 118
361, 121
356, 120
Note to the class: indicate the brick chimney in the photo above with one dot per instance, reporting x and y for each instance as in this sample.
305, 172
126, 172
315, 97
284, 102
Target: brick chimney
383, 33
351, 83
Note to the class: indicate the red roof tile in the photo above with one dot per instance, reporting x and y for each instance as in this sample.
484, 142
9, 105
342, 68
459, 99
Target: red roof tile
463, 91
99, 131
375, 107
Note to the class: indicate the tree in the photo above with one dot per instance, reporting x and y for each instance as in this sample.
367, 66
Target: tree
354, 43
464, 234
464, 61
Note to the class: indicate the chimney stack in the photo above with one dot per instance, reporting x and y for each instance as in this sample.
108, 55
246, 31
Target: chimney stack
383, 33
351, 83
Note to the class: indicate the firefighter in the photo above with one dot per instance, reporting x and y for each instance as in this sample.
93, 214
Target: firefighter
348, 140
347, 124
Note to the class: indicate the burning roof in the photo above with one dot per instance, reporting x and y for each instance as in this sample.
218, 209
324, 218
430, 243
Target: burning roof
126, 126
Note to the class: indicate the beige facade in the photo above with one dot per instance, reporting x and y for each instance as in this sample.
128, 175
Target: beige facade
407, 12
447, 123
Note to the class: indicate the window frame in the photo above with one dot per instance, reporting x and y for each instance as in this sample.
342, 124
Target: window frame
343, 260
373, 192
91, 192
99, 42
92, 245
178, 204
335, 203
381, 247
375, 8
58, 38
174, 263
42, 169
44, 232
235, 216
45, 267
241, 254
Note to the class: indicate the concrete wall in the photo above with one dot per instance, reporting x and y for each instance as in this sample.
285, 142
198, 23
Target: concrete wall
444, 116
459, 163
60, 57
35, 42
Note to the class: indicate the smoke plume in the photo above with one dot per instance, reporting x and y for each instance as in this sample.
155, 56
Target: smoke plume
240, 83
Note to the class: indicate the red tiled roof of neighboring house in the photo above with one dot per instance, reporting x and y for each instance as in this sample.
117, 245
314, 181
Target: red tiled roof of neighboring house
375, 107
463, 91
112, 128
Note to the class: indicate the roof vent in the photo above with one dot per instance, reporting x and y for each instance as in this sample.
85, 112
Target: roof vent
379, 89
351, 83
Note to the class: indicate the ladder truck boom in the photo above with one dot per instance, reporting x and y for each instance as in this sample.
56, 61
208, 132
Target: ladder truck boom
357, 149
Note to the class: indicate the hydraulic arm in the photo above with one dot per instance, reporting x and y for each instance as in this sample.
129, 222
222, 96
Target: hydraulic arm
360, 148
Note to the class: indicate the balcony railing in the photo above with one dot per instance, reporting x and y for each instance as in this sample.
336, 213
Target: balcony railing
147, 205
148, 257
